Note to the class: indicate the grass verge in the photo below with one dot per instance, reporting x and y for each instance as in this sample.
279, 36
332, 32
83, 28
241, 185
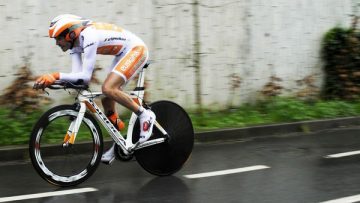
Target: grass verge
16, 126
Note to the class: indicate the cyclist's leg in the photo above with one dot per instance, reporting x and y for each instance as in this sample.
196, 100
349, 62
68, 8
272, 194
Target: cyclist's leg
113, 92
124, 71
109, 108
112, 89
126, 68
109, 104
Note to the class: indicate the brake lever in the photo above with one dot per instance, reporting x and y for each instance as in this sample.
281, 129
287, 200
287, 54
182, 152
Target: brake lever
46, 91
36, 87
43, 89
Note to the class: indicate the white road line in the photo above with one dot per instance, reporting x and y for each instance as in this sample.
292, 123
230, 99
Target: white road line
342, 154
349, 199
225, 172
47, 194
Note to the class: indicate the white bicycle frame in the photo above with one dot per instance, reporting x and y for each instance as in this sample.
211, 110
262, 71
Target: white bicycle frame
86, 101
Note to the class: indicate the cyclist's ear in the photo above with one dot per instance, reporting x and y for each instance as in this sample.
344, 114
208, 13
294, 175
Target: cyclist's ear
73, 34
70, 36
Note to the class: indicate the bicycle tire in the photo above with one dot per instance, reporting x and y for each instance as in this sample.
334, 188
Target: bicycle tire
167, 158
50, 158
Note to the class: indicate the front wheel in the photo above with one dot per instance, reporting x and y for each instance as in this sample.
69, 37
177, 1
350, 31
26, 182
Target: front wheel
65, 165
168, 157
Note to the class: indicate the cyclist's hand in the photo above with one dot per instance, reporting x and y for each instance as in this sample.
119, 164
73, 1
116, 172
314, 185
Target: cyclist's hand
46, 80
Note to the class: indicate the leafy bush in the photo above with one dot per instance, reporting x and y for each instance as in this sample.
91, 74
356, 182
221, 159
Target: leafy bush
341, 54
20, 94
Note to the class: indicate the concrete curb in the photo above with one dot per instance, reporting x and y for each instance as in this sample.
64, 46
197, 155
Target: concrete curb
16, 153
277, 129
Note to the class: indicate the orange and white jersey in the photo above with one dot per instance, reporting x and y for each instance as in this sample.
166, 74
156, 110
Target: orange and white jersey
107, 39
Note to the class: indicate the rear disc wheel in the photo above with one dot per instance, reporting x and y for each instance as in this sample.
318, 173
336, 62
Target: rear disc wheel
168, 157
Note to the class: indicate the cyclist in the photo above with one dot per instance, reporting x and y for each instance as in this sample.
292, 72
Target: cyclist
85, 39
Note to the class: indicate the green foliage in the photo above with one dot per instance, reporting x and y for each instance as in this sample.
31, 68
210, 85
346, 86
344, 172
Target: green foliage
17, 126
341, 55
275, 110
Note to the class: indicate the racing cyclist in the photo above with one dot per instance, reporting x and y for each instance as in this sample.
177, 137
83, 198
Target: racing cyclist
85, 39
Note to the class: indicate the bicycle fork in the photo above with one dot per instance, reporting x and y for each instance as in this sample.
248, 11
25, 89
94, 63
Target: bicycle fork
74, 126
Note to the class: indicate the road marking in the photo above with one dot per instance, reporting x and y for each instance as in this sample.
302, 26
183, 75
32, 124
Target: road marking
47, 194
226, 172
342, 154
349, 199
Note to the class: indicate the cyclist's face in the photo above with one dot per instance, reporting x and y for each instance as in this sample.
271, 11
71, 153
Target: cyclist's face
62, 43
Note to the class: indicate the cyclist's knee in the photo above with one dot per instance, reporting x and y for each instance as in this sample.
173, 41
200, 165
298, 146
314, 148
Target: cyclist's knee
107, 90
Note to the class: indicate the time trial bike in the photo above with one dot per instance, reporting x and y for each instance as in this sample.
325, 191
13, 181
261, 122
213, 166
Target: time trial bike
61, 158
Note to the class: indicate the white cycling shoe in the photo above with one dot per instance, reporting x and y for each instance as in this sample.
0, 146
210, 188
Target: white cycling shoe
147, 120
109, 156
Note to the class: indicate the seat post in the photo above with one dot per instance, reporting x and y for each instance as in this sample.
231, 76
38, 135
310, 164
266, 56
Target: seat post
141, 79
139, 90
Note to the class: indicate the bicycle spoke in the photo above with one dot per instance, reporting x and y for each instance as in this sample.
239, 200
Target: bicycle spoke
65, 164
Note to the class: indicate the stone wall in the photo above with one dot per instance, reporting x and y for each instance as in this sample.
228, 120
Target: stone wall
197, 47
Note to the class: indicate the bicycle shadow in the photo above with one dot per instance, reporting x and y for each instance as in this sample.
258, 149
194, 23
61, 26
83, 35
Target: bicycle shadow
158, 189
164, 189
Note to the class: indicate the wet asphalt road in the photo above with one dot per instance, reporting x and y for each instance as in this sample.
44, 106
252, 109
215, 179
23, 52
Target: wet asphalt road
298, 172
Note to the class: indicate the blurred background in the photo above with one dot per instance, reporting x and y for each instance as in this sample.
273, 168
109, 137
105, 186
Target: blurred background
205, 54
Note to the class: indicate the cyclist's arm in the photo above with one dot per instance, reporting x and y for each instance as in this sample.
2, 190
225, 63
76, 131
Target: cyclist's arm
82, 69
76, 60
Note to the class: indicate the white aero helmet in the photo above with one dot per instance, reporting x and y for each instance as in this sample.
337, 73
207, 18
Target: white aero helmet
68, 25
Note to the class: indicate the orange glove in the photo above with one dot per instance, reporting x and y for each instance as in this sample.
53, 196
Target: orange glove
46, 80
